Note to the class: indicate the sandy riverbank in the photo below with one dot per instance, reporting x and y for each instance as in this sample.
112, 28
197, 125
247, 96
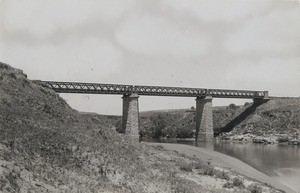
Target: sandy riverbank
222, 160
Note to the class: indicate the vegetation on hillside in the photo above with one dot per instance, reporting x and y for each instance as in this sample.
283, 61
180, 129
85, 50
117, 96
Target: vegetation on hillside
167, 125
279, 118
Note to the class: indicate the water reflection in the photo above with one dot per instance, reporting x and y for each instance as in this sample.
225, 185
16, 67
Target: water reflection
282, 162
267, 158
209, 145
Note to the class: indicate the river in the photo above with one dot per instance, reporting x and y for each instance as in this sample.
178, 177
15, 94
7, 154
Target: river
281, 162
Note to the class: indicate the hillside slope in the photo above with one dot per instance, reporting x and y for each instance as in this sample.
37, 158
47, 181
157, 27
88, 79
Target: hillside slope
279, 118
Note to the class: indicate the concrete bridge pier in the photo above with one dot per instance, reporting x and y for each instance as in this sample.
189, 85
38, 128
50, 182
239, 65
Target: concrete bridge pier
130, 122
204, 120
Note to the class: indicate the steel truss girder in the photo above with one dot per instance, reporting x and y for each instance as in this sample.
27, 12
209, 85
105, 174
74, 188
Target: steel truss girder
119, 89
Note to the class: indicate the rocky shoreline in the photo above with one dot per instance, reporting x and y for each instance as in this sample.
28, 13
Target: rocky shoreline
271, 139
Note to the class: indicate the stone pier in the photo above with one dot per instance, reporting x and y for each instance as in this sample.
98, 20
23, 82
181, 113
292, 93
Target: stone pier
204, 121
130, 122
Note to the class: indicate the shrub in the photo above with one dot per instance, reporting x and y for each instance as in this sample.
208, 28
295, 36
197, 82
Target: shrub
159, 123
222, 175
255, 188
186, 167
200, 165
283, 138
180, 188
237, 182
159, 147
209, 171
13, 75
228, 185
233, 106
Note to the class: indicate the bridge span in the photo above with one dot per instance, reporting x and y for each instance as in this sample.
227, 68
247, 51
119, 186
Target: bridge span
131, 93
120, 89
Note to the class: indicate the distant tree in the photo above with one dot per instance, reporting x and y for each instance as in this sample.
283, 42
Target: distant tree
185, 131
192, 108
159, 123
232, 106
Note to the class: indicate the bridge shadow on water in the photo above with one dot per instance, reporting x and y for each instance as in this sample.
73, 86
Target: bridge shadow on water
241, 117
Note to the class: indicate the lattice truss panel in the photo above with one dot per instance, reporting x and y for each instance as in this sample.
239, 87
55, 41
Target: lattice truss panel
94, 88
169, 91
218, 93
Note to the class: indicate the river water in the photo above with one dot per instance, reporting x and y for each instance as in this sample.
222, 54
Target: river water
281, 162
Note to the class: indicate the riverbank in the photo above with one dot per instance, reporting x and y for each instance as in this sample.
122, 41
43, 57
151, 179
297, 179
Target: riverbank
250, 138
224, 161
276, 121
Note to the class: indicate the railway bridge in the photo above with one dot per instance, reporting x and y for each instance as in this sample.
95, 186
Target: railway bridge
131, 93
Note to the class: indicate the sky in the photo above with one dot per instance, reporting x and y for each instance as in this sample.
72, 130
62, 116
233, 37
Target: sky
230, 44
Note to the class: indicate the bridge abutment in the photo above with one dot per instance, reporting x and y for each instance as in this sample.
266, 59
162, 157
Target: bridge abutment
130, 121
204, 120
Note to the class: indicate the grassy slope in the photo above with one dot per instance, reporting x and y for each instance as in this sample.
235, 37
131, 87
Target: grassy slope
280, 116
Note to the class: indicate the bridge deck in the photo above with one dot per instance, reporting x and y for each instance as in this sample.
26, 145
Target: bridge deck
119, 89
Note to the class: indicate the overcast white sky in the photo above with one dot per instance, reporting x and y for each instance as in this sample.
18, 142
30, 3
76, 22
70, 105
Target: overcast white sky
232, 44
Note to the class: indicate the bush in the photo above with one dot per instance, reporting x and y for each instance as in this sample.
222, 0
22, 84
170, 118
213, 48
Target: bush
200, 165
228, 185
186, 167
222, 175
233, 106
184, 132
282, 138
180, 188
210, 171
159, 123
237, 182
255, 188
159, 147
